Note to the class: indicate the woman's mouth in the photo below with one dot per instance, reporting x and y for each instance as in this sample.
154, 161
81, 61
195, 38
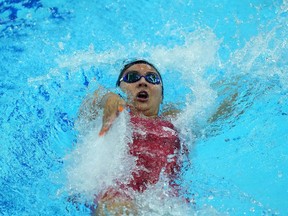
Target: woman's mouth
142, 96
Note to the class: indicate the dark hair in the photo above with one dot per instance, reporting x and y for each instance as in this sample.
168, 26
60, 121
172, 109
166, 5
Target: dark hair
126, 66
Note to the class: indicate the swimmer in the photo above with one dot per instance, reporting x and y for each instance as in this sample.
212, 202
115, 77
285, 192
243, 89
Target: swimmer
157, 150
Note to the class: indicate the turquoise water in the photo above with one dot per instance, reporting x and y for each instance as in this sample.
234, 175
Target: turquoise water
224, 63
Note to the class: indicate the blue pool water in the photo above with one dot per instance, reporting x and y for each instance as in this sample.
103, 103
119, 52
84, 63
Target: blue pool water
224, 63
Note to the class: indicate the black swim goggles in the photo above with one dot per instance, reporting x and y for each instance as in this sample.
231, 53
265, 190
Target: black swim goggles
134, 76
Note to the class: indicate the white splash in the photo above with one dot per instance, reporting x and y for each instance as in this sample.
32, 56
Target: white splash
265, 55
97, 162
191, 60
157, 201
85, 59
198, 52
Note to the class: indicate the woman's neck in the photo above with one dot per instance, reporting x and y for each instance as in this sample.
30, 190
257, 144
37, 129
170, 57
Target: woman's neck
143, 114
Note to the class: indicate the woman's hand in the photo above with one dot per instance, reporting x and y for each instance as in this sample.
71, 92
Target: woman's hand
116, 207
112, 105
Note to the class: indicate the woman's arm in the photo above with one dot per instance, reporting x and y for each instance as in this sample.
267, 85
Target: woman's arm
102, 100
112, 105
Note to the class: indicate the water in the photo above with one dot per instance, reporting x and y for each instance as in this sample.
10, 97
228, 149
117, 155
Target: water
224, 63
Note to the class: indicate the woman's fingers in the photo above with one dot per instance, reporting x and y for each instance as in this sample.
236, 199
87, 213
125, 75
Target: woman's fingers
106, 126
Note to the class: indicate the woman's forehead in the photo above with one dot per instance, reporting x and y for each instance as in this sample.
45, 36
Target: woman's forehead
141, 67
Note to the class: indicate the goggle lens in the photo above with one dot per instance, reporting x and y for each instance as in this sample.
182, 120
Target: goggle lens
134, 76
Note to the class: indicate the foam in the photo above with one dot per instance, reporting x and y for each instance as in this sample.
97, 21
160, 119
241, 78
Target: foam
157, 200
96, 163
85, 59
198, 52
191, 60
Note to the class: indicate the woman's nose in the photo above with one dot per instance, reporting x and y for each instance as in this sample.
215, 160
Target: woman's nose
142, 82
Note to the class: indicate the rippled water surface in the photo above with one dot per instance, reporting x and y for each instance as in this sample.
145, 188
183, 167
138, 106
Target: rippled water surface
224, 63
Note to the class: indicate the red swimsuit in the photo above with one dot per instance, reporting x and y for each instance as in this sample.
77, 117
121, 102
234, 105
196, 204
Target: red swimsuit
156, 146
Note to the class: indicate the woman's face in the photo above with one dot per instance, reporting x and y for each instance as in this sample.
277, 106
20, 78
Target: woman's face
144, 97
